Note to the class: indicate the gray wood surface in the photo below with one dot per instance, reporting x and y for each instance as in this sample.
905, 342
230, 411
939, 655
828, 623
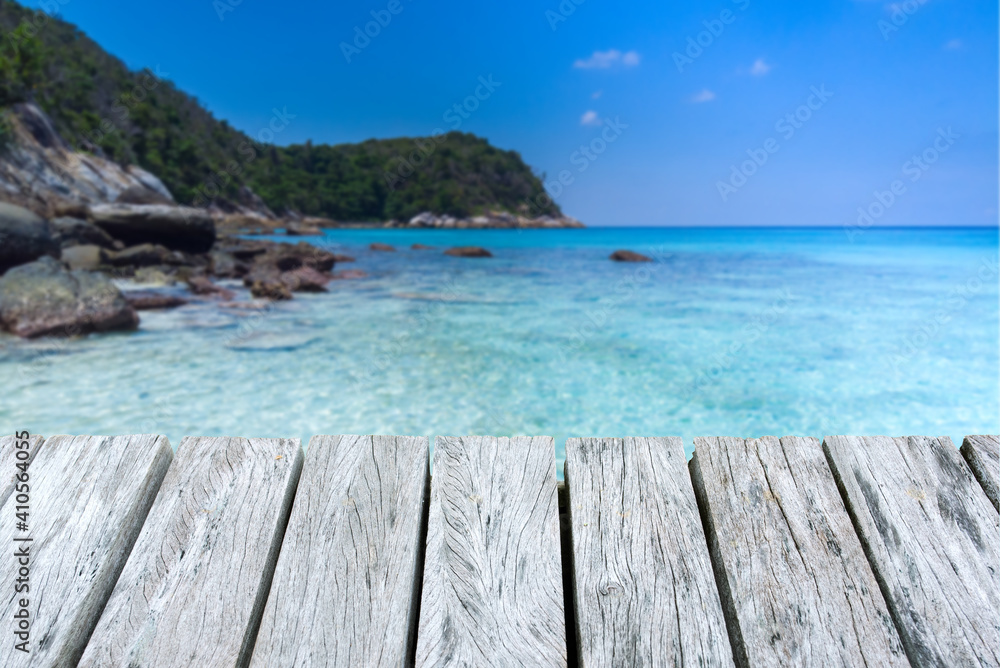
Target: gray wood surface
933, 539
645, 593
89, 497
796, 584
492, 590
983, 455
9, 460
193, 591
346, 587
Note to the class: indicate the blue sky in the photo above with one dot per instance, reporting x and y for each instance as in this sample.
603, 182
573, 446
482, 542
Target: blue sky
668, 98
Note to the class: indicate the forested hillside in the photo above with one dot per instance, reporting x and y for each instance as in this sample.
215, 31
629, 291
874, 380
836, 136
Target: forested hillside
99, 105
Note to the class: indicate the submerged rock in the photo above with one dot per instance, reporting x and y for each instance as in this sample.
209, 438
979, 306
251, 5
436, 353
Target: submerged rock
270, 288
422, 247
629, 256
176, 227
305, 279
43, 298
147, 300
384, 248
468, 251
200, 285
286, 257
24, 237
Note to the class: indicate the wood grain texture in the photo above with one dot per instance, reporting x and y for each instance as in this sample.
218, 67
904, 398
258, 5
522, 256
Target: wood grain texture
89, 498
9, 460
983, 456
933, 539
492, 591
645, 593
346, 587
194, 589
796, 584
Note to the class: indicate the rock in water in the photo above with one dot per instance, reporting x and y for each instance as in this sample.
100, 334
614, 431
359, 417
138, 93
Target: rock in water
43, 298
629, 256
385, 248
201, 285
286, 257
176, 227
421, 247
305, 279
148, 300
24, 237
468, 251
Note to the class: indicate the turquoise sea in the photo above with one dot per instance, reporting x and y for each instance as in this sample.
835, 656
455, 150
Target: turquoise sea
740, 332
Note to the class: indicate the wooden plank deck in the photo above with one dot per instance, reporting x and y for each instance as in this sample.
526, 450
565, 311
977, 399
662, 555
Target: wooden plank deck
346, 587
193, 591
760, 552
89, 497
933, 539
645, 594
795, 582
492, 590
983, 456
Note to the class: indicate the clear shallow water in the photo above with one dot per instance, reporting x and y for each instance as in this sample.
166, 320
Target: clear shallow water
731, 332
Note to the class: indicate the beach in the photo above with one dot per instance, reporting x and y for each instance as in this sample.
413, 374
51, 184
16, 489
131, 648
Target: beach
728, 332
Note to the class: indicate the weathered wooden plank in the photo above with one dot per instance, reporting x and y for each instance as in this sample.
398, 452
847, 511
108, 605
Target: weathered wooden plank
492, 590
346, 587
645, 593
194, 589
89, 498
983, 455
795, 582
933, 539
9, 459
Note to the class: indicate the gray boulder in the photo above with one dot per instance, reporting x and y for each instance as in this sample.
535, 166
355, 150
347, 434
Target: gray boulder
43, 298
87, 256
24, 237
176, 227
76, 232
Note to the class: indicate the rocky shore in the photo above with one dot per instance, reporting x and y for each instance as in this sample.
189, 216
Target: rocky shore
73, 226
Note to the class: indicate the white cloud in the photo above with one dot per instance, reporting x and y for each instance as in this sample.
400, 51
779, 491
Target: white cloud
590, 118
703, 96
597, 95
603, 60
760, 68
954, 44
